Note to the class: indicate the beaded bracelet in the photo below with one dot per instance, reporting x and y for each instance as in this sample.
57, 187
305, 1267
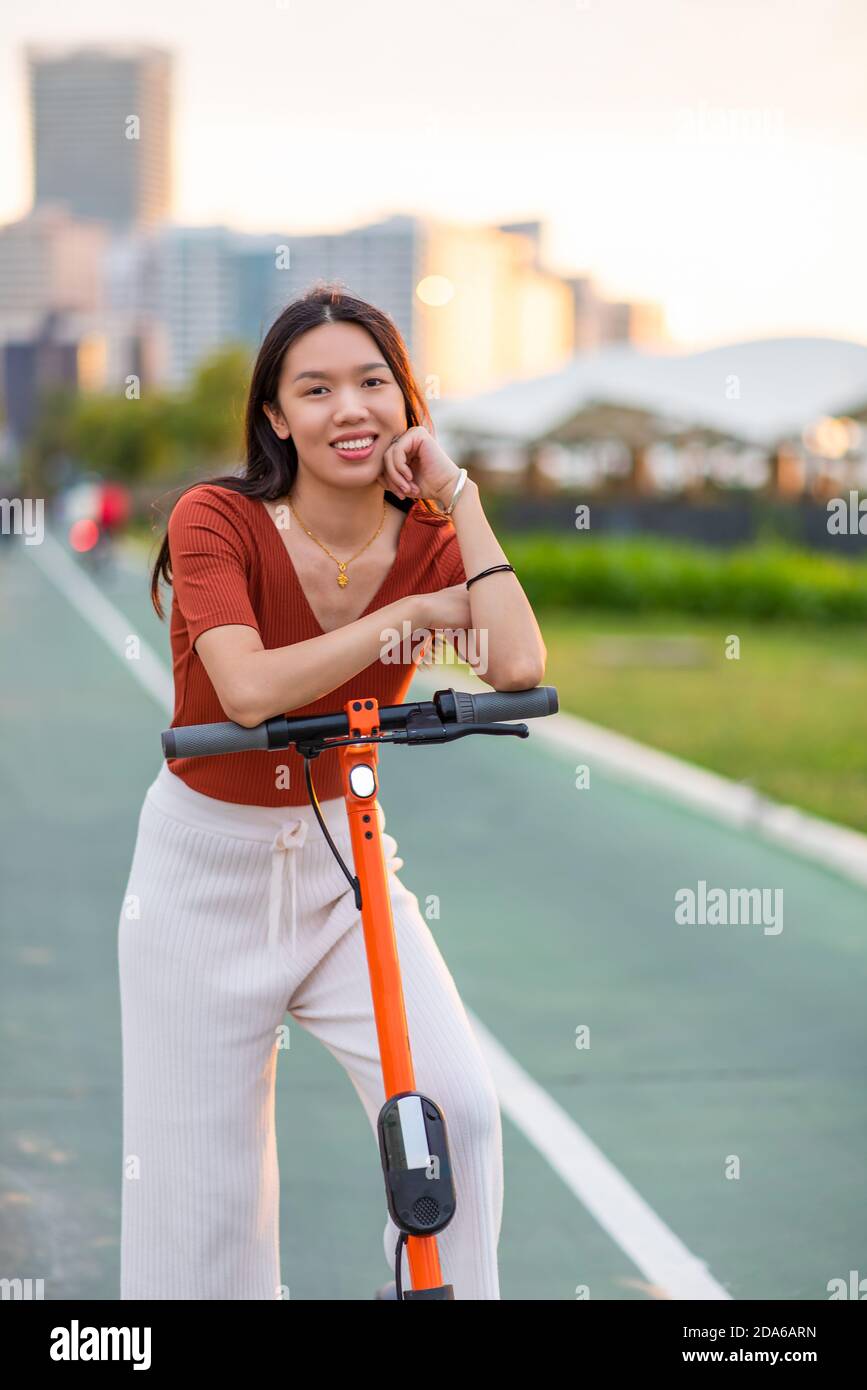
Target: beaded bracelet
492, 570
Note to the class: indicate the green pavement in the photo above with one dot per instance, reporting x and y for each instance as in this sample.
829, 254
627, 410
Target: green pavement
557, 910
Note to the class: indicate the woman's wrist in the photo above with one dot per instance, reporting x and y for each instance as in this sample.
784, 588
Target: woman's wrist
414, 608
445, 495
420, 610
470, 487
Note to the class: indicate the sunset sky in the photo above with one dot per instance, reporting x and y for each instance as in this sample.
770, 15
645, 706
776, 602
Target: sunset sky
709, 154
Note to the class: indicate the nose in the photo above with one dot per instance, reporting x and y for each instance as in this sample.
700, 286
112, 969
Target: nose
350, 404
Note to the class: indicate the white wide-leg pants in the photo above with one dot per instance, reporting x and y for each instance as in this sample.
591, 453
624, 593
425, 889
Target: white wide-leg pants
234, 916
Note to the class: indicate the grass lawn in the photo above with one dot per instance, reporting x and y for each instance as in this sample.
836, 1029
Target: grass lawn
788, 716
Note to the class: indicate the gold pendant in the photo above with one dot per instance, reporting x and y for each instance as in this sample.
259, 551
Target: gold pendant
342, 578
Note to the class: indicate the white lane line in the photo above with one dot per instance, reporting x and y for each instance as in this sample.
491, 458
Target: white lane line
585, 1170
835, 846
106, 620
607, 1195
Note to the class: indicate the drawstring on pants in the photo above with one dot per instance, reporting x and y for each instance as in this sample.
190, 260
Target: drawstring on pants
289, 839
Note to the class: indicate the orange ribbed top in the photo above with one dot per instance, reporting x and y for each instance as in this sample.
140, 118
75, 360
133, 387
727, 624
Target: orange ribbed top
230, 565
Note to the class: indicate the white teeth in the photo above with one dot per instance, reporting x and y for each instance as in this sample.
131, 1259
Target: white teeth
355, 443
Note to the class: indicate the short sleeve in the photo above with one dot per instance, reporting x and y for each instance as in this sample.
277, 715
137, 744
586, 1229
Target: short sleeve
451, 565
209, 561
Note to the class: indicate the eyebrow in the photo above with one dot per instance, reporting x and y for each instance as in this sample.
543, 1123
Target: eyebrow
366, 367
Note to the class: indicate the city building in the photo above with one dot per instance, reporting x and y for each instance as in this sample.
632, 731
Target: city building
100, 127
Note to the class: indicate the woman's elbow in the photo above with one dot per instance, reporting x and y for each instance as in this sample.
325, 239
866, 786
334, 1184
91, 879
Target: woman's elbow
239, 706
528, 677
523, 678
246, 718
528, 681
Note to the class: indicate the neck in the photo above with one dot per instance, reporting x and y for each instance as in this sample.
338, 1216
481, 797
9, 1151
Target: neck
342, 518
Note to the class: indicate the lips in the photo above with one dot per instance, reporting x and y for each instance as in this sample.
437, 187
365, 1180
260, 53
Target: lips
350, 453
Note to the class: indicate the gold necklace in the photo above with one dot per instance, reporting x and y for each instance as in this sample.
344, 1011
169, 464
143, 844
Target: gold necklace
343, 577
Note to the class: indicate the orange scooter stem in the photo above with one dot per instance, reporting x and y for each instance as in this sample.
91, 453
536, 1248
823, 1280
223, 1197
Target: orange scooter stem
360, 784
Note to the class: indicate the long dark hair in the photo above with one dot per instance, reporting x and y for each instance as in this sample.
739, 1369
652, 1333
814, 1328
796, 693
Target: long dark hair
272, 463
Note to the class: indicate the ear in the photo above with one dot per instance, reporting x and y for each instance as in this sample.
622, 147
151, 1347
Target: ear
278, 423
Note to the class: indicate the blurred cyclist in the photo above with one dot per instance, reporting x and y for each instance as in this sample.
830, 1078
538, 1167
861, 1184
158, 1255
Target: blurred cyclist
95, 512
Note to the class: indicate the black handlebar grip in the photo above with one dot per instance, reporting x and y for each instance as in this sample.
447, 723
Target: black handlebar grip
201, 740
506, 704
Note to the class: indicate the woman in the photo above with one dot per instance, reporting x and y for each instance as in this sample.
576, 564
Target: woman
284, 580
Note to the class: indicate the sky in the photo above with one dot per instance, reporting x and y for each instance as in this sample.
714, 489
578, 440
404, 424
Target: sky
710, 155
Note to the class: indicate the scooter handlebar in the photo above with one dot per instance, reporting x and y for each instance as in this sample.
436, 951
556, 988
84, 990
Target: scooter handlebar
200, 740
491, 706
456, 707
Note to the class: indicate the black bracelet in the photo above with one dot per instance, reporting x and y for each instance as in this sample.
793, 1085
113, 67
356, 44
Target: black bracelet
492, 570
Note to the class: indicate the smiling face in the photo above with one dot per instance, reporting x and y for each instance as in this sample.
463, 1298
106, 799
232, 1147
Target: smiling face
335, 385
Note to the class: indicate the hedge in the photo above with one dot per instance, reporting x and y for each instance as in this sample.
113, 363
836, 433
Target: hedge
770, 581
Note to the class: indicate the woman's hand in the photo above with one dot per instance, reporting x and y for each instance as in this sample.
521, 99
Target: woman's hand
448, 611
415, 465
448, 608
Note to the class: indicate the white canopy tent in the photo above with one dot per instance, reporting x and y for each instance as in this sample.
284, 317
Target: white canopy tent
760, 392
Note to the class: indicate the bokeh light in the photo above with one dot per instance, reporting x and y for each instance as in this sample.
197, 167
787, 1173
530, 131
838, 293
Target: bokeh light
83, 534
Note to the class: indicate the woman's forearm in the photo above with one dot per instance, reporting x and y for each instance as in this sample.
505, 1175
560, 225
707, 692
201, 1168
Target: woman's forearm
516, 653
281, 679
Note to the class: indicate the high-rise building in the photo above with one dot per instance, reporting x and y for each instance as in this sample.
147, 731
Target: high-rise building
474, 303
190, 288
100, 131
49, 261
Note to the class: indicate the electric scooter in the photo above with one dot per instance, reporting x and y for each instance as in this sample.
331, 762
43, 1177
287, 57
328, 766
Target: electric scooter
411, 1128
